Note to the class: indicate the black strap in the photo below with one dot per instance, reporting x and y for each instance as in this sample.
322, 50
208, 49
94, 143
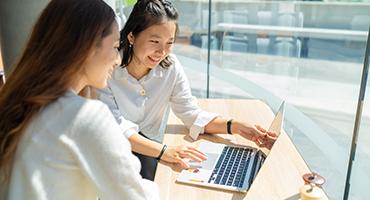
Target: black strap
162, 151
163, 148
142, 134
229, 126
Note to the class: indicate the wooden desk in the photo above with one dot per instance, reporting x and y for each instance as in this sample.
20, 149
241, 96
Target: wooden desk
279, 178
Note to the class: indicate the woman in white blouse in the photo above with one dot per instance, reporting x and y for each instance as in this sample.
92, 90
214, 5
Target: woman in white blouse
52, 144
151, 80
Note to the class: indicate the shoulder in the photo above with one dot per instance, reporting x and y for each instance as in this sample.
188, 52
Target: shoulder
175, 61
176, 66
79, 107
68, 112
72, 101
88, 115
91, 108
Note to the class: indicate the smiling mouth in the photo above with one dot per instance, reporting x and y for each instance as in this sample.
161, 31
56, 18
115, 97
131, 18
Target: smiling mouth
154, 60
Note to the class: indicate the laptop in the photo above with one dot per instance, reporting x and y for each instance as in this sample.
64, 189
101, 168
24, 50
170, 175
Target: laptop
229, 167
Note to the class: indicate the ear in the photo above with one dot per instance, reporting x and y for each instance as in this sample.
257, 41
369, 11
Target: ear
131, 38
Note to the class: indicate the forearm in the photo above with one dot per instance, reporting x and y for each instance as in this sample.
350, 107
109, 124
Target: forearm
249, 131
217, 125
145, 146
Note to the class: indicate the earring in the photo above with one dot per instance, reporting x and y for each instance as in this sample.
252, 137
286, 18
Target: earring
130, 45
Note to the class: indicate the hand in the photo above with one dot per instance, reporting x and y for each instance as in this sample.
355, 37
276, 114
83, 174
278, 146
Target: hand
268, 140
254, 133
176, 155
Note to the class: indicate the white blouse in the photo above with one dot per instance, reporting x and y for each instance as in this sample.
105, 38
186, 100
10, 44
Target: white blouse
74, 149
144, 102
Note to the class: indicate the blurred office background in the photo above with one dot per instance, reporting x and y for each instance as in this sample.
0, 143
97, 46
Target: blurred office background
308, 53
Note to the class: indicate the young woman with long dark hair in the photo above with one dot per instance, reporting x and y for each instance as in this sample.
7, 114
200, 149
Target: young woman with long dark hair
152, 79
55, 144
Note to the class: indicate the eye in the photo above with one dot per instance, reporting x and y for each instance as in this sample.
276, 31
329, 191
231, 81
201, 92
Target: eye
154, 41
170, 43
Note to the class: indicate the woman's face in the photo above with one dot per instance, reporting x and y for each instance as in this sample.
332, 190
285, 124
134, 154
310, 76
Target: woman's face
103, 59
153, 44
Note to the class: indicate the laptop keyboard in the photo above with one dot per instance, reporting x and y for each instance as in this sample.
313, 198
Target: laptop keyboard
235, 164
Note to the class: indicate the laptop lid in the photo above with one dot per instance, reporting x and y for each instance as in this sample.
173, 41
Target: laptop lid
276, 125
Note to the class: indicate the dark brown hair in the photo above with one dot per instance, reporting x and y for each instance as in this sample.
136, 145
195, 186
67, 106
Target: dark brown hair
60, 42
145, 14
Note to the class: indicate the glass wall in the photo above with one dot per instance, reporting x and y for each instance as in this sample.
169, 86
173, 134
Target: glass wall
359, 181
192, 44
308, 53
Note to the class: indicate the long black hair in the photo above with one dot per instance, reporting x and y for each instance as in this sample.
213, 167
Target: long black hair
145, 14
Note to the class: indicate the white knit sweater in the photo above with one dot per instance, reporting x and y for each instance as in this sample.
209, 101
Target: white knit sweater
74, 149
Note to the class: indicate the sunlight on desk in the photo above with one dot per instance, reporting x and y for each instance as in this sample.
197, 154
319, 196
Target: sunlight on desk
279, 178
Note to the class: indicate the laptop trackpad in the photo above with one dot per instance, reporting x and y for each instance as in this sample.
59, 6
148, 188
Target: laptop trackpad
207, 164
